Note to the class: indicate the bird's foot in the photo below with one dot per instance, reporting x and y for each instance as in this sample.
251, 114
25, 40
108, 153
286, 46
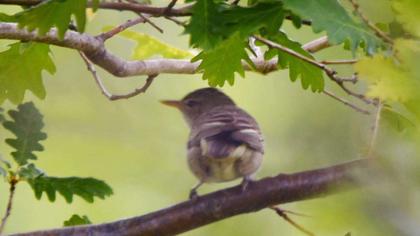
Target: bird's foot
245, 182
193, 195
193, 192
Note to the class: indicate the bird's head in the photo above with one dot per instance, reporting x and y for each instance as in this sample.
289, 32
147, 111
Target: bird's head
198, 102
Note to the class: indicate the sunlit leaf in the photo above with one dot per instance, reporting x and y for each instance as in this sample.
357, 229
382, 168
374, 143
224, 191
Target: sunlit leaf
407, 13
149, 46
21, 69
86, 188
27, 127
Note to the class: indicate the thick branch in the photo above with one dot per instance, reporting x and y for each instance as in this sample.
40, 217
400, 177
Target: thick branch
94, 49
226, 203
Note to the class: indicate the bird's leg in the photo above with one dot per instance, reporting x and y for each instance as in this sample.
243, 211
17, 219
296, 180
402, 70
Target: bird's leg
245, 181
193, 192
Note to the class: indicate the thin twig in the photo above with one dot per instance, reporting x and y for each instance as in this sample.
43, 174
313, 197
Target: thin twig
146, 19
345, 102
13, 181
332, 74
340, 62
170, 6
104, 90
372, 26
283, 214
137, 91
375, 129
176, 21
98, 80
118, 29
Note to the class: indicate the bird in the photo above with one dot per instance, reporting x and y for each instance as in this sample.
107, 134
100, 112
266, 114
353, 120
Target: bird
225, 142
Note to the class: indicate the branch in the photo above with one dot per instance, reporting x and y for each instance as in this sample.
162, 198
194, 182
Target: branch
340, 62
105, 92
377, 31
332, 74
345, 102
12, 182
317, 45
120, 6
137, 8
118, 29
206, 209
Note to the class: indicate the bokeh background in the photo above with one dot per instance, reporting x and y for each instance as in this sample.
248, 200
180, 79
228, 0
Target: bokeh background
138, 146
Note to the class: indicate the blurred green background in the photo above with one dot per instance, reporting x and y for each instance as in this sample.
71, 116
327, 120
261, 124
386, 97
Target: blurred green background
138, 146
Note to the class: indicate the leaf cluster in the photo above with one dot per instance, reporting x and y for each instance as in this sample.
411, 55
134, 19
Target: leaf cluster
26, 124
393, 77
214, 25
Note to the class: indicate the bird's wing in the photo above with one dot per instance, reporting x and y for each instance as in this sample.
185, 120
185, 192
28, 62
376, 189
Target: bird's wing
225, 132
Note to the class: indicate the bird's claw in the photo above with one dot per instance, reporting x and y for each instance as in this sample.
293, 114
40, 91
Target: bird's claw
245, 183
193, 195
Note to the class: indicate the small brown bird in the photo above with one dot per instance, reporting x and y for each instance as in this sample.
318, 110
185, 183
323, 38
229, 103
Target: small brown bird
225, 142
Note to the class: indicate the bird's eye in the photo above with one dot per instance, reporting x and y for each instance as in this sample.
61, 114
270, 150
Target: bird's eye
191, 103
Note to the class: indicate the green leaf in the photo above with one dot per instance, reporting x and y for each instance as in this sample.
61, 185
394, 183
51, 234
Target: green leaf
386, 80
21, 69
86, 188
29, 172
5, 163
221, 63
248, 20
203, 25
310, 75
77, 220
95, 5
393, 79
148, 46
52, 13
407, 13
26, 126
330, 16
396, 120
7, 18
3, 172
1, 115
214, 21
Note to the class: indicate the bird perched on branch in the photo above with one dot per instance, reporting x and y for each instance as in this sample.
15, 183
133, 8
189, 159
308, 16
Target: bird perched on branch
225, 142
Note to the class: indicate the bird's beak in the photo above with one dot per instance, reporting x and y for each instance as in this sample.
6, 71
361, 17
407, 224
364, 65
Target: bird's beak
172, 103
